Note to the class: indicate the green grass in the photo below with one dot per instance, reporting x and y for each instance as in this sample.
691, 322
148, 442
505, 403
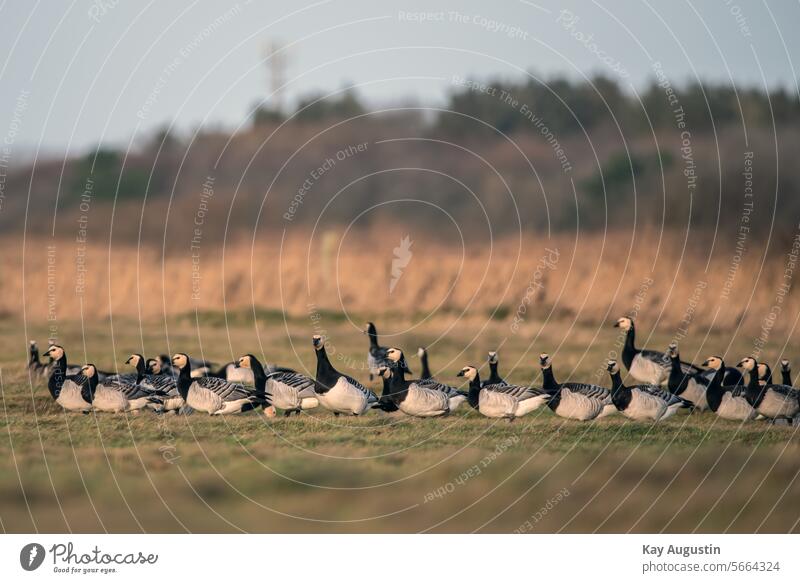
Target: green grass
379, 473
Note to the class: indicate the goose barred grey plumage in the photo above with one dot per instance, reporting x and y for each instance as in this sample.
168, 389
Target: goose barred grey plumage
770, 400
289, 391
117, 396
645, 402
728, 402
501, 401
687, 385
71, 392
406, 391
338, 392
646, 366
579, 401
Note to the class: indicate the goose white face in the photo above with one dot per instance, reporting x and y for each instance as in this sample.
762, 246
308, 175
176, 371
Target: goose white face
133, 360
785, 364
318, 341
612, 367
468, 372
714, 362
384, 372
394, 354
420, 352
89, 370
747, 364
180, 360
154, 366
545, 361
492, 357
763, 370
245, 361
624, 323
672, 350
55, 352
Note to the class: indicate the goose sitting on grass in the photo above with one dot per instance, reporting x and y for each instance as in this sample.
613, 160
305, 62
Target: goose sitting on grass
770, 400
397, 366
118, 396
646, 366
728, 402
410, 397
35, 365
687, 385
376, 355
579, 401
643, 402
157, 382
494, 375
501, 401
69, 391
338, 392
214, 396
291, 392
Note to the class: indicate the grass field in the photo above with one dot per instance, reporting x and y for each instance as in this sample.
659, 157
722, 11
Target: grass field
379, 473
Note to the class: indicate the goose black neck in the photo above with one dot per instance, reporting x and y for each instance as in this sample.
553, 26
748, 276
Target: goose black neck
768, 376
426, 372
373, 336
549, 383
140, 370
629, 350
90, 388
677, 380
620, 394
754, 392
786, 377
398, 386
259, 376
473, 396
57, 376
715, 390
494, 376
34, 359
326, 374
184, 381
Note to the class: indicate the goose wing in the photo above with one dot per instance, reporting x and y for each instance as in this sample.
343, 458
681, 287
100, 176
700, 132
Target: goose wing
519, 392
130, 390
664, 360
588, 390
226, 390
437, 386
303, 384
659, 393
785, 391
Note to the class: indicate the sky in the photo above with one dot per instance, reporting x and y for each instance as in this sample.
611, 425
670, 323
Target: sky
77, 74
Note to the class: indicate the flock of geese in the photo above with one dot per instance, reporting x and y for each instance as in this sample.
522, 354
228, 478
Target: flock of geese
181, 384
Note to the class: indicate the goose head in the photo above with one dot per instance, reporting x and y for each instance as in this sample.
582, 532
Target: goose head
369, 329
181, 360
154, 366
713, 362
468, 372
612, 367
421, 352
764, 371
394, 354
493, 357
134, 360
245, 361
55, 352
672, 350
747, 364
785, 365
545, 361
318, 341
625, 323
89, 371
385, 372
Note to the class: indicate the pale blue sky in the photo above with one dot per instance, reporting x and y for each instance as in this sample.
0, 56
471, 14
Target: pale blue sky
89, 74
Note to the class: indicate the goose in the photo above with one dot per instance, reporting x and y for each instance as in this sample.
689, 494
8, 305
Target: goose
288, 391
770, 400
231, 371
376, 356
786, 373
643, 402
422, 353
646, 366
395, 356
69, 391
71, 369
172, 400
501, 401
728, 402
214, 396
338, 392
118, 395
764, 374
494, 376
36, 366
686, 385
385, 403
410, 397
579, 401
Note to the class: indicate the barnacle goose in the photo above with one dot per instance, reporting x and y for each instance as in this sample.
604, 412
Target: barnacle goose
71, 369
764, 374
501, 401
580, 401
288, 391
35, 365
376, 356
643, 402
786, 373
728, 402
770, 400
687, 385
410, 397
338, 392
423, 360
646, 366
172, 400
398, 368
212, 395
231, 371
70, 391
118, 395
494, 376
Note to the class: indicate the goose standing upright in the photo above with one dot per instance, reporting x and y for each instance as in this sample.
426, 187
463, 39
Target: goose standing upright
728, 402
786, 373
376, 356
212, 395
494, 375
686, 385
579, 401
501, 401
288, 391
72, 392
643, 402
338, 392
422, 353
646, 366
770, 400
118, 395
395, 356
35, 365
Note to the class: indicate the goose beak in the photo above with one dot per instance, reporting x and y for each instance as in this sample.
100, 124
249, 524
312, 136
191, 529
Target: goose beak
616, 324
705, 363
128, 361
740, 364
460, 373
